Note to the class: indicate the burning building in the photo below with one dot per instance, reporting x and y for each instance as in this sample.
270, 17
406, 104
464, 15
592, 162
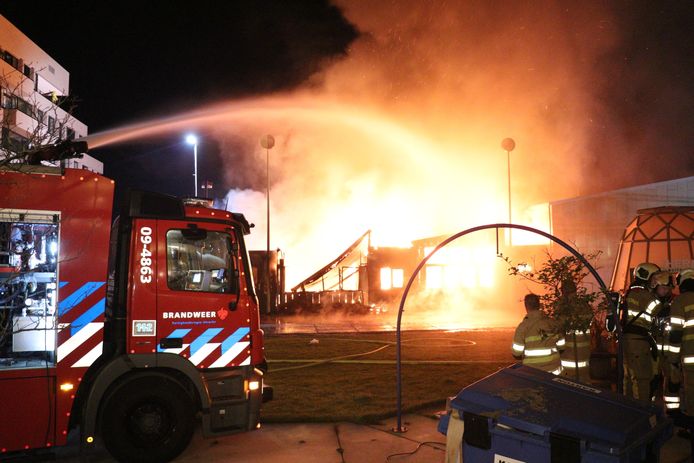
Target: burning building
365, 278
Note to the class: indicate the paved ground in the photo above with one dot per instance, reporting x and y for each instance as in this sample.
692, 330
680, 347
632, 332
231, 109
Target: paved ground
305, 443
331, 443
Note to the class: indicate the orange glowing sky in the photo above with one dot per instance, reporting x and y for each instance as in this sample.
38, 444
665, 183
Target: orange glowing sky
402, 136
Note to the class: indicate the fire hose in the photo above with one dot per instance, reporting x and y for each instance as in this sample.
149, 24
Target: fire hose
306, 363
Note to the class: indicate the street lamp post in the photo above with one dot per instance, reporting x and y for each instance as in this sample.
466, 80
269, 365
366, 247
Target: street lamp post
508, 145
193, 140
267, 142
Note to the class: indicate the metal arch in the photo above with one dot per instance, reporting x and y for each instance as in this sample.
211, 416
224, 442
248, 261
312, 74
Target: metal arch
450, 239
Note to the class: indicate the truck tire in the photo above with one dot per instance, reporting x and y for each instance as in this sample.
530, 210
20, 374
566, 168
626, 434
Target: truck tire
148, 419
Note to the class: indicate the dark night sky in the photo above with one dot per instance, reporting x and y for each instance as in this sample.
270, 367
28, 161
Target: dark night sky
132, 60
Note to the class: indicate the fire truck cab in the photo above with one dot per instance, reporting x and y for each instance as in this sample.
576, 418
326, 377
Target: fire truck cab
127, 331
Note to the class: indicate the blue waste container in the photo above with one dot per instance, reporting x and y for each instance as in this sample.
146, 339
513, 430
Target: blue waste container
524, 415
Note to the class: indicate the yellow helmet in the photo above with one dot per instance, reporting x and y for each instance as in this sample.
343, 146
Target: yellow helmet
660, 278
686, 274
644, 270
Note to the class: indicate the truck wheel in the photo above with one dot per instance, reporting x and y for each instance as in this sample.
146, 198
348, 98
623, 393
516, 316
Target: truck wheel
148, 419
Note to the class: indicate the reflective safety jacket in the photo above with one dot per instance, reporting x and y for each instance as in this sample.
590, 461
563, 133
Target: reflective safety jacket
680, 342
661, 326
640, 307
578, 353
537, 342
678, 345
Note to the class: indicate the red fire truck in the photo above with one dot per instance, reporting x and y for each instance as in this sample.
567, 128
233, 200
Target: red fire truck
127, 331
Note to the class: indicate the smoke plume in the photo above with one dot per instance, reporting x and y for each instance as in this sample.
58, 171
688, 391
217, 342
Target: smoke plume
402, 135
405, 139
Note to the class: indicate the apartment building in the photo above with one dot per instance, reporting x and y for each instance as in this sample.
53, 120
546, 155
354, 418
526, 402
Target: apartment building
35, 95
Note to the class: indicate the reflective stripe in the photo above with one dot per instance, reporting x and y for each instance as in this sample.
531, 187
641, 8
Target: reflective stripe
227, 357
579, 344
518, 347
651, 306
553, 359
673, 349
203, 340
561, 342
672, 399
671, 406
571, 364
78, 339
689, 359
635, 314
581, 332
689, 323
557, 371
90, 357
538, 352
676, 321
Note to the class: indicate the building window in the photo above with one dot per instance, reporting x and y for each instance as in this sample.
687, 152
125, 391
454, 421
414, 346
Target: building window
70, 134
9, 101
25, 107
392, 278
27, 71
10, 59
386, 281
12, 141
398, 277
51, 124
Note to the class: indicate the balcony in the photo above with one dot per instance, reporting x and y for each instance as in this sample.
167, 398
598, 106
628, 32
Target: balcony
19, 122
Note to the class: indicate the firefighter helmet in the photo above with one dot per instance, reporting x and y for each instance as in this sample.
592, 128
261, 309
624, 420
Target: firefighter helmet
684, 275
660, 278
644, 270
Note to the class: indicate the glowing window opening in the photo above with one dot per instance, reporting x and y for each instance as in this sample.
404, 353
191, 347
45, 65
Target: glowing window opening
398, 277
386, 278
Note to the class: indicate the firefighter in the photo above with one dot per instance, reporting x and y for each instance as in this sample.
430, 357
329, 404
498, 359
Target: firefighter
681, 339
576, 357
640, 349
667, 379
536, 341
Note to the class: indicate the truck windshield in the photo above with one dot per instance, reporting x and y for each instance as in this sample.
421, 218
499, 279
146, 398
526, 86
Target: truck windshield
200, 263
